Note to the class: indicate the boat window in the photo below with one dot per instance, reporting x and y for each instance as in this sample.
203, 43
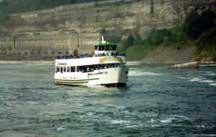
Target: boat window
72, 69
80, 69
101, 47
68, 69
110, 47
114, 47
61, 70
91, 68
96, 47
57, 69
107, 48
64, 69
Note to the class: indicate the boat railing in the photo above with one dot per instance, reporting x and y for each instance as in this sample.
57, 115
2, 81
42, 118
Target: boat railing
87, 56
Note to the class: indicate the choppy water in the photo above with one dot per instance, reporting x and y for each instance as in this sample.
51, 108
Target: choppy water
159, 102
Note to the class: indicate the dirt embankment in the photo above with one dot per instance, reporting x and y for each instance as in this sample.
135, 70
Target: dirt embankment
170, 55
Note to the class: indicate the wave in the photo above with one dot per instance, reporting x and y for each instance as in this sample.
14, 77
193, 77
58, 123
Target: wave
212, 84
174, 118
95, 86
201, 80
134, 126
210, 73
61, 128
119, 122
137, 73
204, 135
167, 121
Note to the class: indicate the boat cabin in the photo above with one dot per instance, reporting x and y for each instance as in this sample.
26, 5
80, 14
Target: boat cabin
105, 49
86, 68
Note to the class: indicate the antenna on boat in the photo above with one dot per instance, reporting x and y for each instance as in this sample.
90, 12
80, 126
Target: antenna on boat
102, 39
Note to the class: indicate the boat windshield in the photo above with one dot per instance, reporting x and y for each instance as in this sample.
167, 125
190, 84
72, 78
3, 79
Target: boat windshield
106, 47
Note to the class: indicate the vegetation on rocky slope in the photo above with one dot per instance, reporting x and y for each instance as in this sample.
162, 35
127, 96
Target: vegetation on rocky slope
15, 6
206, 46
198, 30
3, 12
174, 38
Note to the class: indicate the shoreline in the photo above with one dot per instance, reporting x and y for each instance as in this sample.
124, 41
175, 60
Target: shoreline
129, 63
26, 62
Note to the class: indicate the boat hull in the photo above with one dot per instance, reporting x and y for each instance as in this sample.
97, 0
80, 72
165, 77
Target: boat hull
115, 77
86, 84
109, 71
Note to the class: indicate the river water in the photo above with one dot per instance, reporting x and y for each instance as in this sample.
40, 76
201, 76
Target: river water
158, 102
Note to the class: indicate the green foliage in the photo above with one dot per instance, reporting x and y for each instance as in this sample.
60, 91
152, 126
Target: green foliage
196, 24
138, 40
206, 45
3, 12
126, 43
156, 37
163, 36
201, 28
137, 52
166, 37
15, 6
177, 34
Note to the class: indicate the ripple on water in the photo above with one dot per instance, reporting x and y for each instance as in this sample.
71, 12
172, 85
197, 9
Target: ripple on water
30, 105
120, 122
212, 84
209, 73
201, 80
173, 118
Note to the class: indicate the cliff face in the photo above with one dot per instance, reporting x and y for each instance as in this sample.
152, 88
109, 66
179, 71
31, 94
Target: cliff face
48, 33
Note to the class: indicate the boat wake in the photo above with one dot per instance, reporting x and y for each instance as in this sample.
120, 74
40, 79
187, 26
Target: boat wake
137, 73
95, 86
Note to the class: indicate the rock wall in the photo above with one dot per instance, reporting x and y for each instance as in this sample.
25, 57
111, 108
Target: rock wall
46, 34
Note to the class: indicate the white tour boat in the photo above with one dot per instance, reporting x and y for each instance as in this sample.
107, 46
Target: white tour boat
105, 67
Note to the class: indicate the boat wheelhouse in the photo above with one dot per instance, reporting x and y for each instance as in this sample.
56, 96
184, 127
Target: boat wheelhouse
105, 67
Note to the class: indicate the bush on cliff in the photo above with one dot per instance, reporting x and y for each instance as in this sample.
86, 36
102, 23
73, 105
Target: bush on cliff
137, 52
206, 46
200, 28
196, 24
126, 43
15, 6
3, 12
167, 37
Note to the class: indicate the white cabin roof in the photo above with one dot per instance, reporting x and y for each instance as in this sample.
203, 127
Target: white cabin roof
89, 61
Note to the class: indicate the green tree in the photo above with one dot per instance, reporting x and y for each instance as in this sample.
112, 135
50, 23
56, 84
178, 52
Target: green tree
3, 12
126, 43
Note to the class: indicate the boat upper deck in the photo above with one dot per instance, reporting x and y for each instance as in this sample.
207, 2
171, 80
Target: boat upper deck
104, 52
81, 61
88, 55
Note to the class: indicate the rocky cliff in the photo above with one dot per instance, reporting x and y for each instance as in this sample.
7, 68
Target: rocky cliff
48, 33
